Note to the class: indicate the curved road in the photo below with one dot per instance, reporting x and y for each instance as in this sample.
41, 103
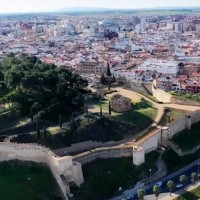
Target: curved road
187, 170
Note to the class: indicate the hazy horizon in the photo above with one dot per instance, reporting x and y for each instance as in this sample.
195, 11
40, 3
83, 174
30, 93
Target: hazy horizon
18, 6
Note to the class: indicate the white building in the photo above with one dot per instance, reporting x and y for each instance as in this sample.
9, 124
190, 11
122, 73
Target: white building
159, 66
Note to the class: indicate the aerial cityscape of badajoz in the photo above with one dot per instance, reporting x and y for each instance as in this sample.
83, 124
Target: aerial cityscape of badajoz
100, 103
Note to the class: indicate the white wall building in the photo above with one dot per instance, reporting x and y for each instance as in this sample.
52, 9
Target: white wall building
159, 66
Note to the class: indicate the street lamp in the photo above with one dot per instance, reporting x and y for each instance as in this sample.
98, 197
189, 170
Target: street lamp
150, 176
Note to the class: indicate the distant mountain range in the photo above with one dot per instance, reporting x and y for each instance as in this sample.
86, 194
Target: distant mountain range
92, 9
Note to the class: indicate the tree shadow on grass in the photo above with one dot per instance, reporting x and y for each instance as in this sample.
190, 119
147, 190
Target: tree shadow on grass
143, 104
141, 121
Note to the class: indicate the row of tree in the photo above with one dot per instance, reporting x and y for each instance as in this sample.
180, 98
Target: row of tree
170, 185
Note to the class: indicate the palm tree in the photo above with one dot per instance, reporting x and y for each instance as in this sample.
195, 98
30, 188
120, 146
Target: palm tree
156, 191
141, 193
171, 186
183, 179
194, 177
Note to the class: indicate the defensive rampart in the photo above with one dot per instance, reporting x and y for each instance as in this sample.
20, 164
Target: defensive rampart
63, 168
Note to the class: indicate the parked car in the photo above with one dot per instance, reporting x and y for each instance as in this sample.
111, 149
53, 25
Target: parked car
130, 197
179, 185
159, 184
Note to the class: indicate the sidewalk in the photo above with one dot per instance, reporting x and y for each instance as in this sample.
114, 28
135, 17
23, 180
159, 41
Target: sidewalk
166, 196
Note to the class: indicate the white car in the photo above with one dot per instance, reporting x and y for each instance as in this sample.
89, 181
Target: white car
179, 185
130, 197
159, 184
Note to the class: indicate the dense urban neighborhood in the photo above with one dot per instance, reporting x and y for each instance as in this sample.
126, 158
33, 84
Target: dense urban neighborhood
100, 104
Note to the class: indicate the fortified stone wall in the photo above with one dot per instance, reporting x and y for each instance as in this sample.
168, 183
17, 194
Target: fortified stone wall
149, 143
148, 86
176, 100
112, 152
32, 152
137, 87
183, 123
152, 142
82, 146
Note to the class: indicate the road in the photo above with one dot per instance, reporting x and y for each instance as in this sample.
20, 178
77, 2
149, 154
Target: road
187, 170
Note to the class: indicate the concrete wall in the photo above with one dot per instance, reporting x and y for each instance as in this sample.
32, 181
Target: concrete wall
37, 153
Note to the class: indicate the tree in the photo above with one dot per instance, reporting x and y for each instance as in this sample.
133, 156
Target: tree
50, 138
60, 122
102, 79
109, 108
31, 113
108, 73
72, 124
156, 191
31, 81
194, 177
141, 194
170, 186
101, 111
36, 107
183, 179
44, 132
37, 129
86, 111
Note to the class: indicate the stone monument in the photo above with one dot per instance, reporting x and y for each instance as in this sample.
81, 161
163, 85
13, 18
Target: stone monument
99, 90
120, 103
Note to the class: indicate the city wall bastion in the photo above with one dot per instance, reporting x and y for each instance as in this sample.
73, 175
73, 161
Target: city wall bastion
138, 149
68, 169
63, 169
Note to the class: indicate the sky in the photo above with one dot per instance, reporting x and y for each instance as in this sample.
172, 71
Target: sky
11, 6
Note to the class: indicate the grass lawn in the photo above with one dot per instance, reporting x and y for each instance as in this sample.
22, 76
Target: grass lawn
141, 118
142, 114
188, 139
7, 122
175, 162
27, 180
103, 177
95, 104
170, 116
190, 195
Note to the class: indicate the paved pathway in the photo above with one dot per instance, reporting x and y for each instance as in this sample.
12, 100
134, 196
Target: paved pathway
130, 94
160, 107
166, 195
